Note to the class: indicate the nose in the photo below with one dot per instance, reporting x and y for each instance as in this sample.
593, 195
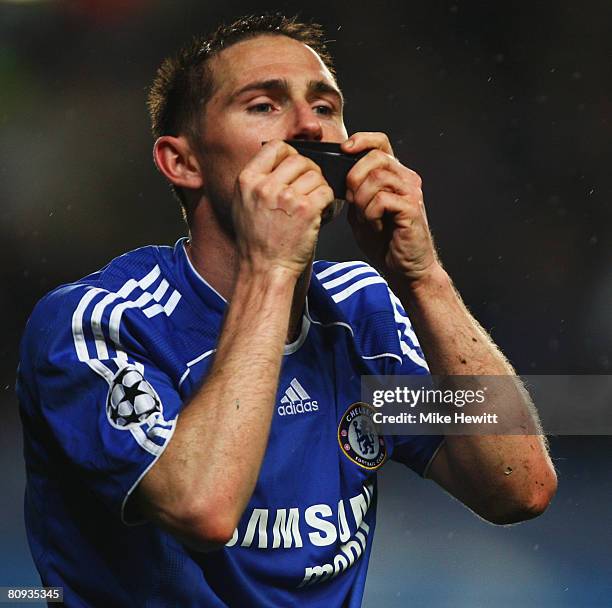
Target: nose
306, 123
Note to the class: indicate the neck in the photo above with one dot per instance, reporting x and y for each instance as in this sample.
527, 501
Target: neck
215, 258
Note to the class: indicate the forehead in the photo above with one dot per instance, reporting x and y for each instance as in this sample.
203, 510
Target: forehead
266, 56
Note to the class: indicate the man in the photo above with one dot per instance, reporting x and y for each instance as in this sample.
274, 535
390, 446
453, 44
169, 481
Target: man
184, 408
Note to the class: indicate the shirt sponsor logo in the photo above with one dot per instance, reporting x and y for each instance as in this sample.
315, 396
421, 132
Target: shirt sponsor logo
296, 401
358, 438
321, 525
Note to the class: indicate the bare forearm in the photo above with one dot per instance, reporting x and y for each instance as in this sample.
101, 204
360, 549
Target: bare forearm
209, 469
202, 482
481, 468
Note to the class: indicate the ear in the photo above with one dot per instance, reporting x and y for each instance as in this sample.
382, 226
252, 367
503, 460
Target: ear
176, 159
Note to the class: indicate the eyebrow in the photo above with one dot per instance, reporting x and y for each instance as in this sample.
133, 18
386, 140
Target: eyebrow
281, 84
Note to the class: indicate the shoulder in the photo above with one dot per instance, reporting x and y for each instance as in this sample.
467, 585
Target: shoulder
361, 299
90, 309
355, 286
354, 294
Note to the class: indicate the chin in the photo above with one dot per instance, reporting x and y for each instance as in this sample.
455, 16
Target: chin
332, 211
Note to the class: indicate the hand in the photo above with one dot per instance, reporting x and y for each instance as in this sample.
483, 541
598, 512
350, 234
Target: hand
387, 213
278, 202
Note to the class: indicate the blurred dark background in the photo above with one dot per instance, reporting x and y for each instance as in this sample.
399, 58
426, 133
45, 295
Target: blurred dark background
502, 108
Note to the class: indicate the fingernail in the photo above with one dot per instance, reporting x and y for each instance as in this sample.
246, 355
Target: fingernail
350, 143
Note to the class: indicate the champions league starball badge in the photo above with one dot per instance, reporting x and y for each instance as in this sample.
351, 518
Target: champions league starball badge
131, 400
358, 438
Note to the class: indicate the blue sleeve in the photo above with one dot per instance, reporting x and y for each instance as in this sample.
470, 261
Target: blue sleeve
100, 402
415, 451
413, 359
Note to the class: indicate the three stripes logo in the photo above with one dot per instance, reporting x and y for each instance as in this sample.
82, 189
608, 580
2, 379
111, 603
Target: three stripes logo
296, 400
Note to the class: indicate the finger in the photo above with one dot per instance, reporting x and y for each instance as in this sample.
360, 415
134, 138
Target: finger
293, 167
272, 153
384, 202
321, 197
388, 203
358, 221
376, 159
268, 187
291, 202
367, 140
307, 182
381, 179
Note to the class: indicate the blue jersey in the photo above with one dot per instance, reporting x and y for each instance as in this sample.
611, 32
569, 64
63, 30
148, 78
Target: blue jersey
107, 364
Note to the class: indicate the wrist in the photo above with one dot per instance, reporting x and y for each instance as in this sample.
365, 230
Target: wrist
432, 283
276, 280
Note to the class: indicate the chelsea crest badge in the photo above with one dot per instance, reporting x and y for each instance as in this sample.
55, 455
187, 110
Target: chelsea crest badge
359, 439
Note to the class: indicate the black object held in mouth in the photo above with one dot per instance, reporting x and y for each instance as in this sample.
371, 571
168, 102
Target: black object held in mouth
334, 163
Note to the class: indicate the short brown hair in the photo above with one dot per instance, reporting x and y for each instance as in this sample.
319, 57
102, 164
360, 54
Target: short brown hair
184, 84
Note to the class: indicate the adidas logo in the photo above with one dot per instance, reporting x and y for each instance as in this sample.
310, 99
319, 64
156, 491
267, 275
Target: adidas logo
296, 400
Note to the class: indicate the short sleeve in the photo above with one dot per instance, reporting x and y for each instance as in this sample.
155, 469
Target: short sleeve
106, 408
413, 360
414, 451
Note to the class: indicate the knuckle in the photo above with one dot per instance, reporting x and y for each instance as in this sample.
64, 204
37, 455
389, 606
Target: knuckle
379, 174
302, 205
287, 195
379, 155
380, 197
283, 149
245, 177
262, 189
313, 166
258, 189
294, 162
322, 195
351, 180
417, 180
293, 159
